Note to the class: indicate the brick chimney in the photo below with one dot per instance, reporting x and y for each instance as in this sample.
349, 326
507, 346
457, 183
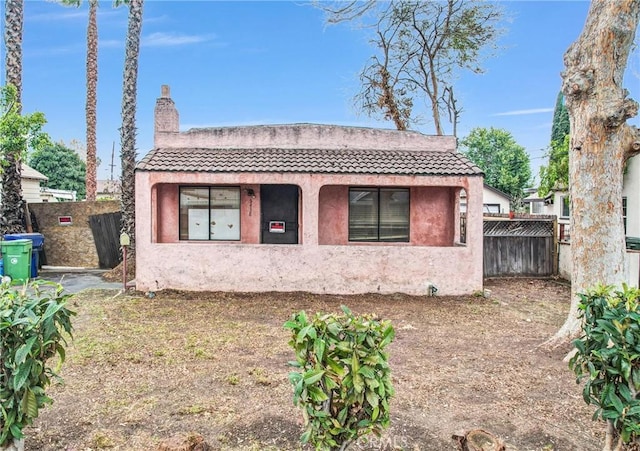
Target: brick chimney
166, 119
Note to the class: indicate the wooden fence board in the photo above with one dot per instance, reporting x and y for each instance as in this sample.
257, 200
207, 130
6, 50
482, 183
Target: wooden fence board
106, 234
511, 251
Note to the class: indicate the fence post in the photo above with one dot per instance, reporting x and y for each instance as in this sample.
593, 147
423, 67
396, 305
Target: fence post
125, 241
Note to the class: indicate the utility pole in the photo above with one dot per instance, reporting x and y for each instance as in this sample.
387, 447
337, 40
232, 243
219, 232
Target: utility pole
113, 149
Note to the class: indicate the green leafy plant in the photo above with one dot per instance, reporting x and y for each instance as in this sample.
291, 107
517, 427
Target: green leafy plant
608, 360
34, 321
344, 381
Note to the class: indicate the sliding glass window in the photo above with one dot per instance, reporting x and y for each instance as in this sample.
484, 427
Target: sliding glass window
210, 213
379, 214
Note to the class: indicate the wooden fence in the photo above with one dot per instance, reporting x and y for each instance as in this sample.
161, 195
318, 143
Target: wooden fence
519, 247
106, 234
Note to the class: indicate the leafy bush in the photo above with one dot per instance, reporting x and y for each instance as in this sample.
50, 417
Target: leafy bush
344, 382
33, 322
608, 357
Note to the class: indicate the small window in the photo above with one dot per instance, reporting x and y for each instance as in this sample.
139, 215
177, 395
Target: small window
537, 207
210, 213
565, 206
379, 214
624, 214
491, 208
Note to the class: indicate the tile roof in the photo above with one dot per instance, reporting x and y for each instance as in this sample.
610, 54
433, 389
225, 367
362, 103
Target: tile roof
330, 161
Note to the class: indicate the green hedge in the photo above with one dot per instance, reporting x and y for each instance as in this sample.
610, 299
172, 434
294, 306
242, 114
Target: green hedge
608, 357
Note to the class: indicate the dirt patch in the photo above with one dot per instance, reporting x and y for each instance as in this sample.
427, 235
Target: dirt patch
142, 369
115, 274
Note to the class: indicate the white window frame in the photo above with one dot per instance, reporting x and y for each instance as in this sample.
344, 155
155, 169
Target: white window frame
216, 218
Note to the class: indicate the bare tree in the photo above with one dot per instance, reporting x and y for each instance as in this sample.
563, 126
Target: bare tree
453, 109
421, 48
382, 86
601, 142
341, 11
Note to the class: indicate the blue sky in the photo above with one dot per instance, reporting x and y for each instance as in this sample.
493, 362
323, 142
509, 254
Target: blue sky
264, 62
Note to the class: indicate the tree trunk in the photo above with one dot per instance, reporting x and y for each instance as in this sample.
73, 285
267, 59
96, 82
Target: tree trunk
388, 100
601, 141
14, 18
128, 131
12, 203
478, 440
92, 86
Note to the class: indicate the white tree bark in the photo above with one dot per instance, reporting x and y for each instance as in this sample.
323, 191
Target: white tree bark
14, 445
601, 142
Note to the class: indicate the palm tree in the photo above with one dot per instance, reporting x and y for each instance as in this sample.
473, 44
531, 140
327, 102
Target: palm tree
128, 130
92, 86
90, 110
12, 202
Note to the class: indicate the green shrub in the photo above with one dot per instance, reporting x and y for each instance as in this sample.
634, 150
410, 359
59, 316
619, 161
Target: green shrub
33, 322
608, 358
344, 382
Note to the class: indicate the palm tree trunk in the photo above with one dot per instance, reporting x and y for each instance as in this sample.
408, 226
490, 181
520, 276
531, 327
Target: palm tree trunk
13, 20
12, 203
128, 130
92, 84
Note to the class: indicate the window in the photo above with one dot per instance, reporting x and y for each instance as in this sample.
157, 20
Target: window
491, 208
379, 214
564, 206
624, 214
537, 207
565, 232
210, 213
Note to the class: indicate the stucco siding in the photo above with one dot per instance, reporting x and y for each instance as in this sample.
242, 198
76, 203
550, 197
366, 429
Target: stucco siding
432, 216
303, 136
333, 215
317, 269
164, 262
632, 265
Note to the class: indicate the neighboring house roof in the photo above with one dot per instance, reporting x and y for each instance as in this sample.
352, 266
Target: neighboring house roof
463, 194
334, 161
535, 197
497, 191
30, 173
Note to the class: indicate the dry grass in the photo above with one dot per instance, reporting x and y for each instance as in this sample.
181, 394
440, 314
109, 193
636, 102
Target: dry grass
141, 370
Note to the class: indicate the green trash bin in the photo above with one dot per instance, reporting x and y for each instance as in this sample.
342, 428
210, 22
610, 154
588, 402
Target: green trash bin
16, 255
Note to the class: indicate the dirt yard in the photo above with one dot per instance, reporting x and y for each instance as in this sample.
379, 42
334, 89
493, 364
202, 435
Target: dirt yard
142, 370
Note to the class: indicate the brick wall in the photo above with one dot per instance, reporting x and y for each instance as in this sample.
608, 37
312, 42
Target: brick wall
70, 245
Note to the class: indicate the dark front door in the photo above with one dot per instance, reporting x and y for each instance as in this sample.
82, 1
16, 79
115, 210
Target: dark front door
279, 206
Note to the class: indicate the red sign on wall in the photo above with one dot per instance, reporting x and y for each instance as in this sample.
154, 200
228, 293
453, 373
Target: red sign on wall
64, 220
276, 226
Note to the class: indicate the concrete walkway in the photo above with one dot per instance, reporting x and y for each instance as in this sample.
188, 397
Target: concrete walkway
75, 280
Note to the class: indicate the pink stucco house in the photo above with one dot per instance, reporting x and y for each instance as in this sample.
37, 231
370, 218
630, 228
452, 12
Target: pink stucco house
304, 207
